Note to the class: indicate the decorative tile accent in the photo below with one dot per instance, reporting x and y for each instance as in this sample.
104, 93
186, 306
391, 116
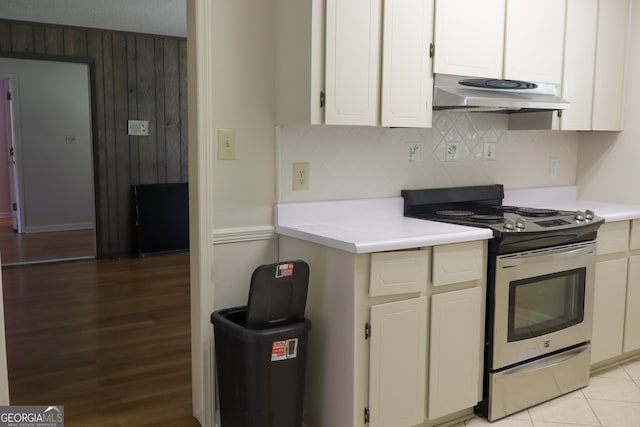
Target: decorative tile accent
352, 162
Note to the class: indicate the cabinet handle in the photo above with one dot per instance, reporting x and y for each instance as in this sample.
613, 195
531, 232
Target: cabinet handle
431, 50
321, 99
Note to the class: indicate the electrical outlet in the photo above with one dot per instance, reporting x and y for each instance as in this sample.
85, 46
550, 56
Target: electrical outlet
70, 139
553, 166
138, 127
453, 152
226, 144
489, 151
300, 176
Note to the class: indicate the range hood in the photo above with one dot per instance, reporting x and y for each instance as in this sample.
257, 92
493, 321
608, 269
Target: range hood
462, 93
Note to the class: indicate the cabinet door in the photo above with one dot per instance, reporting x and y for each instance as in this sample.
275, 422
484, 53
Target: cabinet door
608, 309
407, 80
352, 61
299, 61
579, 60
469, 37
534, 40
454, 351
397, 380
632, 314
611, 54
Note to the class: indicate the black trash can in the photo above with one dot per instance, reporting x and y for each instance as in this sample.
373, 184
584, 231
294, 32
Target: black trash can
260, 371
261, 350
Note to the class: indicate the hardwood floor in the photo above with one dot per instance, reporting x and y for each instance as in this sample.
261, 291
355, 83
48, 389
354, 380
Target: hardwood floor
108, 339
16, 248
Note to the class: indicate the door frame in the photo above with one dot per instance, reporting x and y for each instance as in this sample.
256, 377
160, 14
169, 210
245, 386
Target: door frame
94, 129
12, 121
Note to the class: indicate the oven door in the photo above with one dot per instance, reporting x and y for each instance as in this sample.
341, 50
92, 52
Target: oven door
543, 302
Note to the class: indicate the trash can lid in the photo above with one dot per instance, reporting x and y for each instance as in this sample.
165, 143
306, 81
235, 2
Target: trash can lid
277, 294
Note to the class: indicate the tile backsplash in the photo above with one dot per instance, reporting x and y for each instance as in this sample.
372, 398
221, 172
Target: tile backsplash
352, 162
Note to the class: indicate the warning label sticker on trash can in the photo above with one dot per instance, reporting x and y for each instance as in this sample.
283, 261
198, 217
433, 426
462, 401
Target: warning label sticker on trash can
285, 349
284, 270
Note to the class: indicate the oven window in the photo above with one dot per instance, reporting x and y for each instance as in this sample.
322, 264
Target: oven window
545, 304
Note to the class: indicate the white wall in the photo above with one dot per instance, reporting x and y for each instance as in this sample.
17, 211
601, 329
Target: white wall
608, 162
231, 79
359, 162
56, 178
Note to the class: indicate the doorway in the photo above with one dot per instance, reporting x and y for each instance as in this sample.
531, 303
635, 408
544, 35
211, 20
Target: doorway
46, 135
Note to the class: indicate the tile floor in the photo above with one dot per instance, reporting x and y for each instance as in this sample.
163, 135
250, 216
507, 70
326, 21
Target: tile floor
612, 399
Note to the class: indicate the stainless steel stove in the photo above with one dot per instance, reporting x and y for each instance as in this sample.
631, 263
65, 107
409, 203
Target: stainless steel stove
515, 228
540, 287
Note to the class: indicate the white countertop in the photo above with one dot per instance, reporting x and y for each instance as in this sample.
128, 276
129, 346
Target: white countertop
368, 225
374, 225
565, 198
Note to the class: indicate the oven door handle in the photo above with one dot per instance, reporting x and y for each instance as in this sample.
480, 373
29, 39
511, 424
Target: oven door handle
533, 258
547, 363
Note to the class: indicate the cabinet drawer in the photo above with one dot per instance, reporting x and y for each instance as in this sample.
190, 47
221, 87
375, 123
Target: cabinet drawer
613, 237
458, 262
398, 272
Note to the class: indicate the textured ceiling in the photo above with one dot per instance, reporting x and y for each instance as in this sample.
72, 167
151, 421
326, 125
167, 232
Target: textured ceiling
166, 17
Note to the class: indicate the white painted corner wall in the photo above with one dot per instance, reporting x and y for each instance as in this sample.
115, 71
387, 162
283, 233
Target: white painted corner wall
231, 85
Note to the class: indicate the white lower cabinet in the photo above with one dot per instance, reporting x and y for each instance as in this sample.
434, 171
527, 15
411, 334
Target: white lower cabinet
616, 309
455, 346
608, 309
398, 350
632, 313
388, 347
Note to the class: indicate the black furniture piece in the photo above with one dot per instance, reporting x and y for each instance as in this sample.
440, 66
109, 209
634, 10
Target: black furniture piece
162, 218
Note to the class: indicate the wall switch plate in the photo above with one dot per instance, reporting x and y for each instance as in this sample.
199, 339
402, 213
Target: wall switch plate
300, 176
138, 127
489, 151
452, 153
226, 144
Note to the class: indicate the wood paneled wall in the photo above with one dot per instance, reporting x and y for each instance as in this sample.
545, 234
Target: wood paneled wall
135, 76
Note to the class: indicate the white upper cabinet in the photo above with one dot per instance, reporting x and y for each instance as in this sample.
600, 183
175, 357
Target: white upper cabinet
610, 71
352, 62
594, 64
510, 39
407, 80
299, 40
469, 37
534, 40
579, 62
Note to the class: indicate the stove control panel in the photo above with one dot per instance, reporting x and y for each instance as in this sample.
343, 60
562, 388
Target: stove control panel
566, 218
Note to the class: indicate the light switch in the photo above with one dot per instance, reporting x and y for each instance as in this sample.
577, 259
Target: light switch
226, 144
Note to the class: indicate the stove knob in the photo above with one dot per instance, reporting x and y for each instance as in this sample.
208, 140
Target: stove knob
579, 216
521, 223
509, 224
588, 214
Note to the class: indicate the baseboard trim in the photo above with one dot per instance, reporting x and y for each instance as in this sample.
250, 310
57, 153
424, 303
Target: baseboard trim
243, 234
58, 227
